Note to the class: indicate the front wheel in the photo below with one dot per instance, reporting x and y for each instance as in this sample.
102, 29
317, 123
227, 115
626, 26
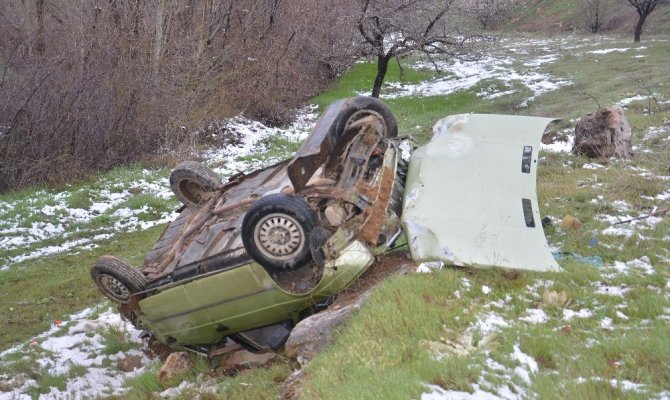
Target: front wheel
116, 279
275, 232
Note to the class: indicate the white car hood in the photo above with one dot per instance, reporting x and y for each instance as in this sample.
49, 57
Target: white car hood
470, 196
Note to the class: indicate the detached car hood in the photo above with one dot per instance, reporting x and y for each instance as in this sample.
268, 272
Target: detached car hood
470, 196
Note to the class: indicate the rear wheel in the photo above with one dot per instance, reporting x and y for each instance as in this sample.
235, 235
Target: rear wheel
276, 229
360, 107
116, 279
191, 182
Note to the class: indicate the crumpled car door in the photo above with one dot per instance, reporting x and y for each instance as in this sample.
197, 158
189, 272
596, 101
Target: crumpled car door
470, 196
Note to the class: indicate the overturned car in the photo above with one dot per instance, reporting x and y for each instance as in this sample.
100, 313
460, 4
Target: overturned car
247, 259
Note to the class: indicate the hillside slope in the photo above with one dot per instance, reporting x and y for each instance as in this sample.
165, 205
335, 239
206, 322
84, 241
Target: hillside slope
598, 330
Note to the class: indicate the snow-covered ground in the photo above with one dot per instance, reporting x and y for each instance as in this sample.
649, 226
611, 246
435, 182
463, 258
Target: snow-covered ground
78, 349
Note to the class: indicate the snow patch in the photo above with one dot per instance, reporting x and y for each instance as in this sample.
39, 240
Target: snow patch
82, 346
535, 316
570, 314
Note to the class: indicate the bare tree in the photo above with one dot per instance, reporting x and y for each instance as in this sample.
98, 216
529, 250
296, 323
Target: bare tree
644, 8
596, 14
395, 28
86, 86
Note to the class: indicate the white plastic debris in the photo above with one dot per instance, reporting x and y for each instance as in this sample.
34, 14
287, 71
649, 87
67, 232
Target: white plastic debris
429, 267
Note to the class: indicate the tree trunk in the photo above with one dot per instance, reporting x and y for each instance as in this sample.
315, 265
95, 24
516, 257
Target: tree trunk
382, 67
638, 27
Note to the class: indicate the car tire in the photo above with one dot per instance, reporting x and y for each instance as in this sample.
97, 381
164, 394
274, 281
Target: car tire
191, 181
276, 231
361, 106
116, 279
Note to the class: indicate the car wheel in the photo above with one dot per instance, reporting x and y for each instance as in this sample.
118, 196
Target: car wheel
191, 181
116, 279
360, 107
276, 230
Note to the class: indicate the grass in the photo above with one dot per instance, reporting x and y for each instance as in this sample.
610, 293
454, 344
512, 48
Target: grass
114, 341
276, 149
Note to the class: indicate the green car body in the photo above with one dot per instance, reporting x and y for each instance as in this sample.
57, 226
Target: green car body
208, 309
227, 268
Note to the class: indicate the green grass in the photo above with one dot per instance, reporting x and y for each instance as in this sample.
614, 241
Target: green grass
360, 76
114, 341
274, 149
45, 382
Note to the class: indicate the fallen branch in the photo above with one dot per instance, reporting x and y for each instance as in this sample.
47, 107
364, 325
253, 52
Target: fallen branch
662, 211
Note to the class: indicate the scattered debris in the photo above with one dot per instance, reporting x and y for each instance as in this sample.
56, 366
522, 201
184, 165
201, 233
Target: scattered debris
429, 266
596, 261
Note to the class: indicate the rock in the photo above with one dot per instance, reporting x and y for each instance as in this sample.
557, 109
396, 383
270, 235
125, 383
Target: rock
245, 359
313, 333
605, 133
291, 389
176, 364
571, 222
129, 364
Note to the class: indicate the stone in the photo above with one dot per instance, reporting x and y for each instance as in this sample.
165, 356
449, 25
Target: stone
242, 359
313, 333
129, 364
176, 364
604, 133
291, 389
571, 222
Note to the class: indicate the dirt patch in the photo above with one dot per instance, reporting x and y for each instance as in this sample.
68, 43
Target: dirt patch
397, 262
